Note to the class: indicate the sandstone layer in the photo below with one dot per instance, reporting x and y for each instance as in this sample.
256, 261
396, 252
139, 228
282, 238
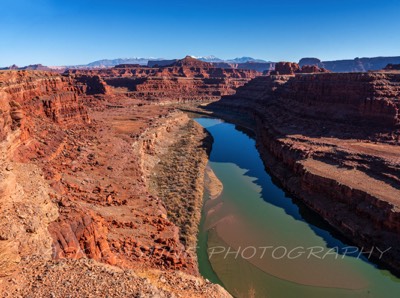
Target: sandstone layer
333, 141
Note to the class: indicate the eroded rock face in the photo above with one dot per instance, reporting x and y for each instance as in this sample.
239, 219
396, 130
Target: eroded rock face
94, 84
28, 98
310, 61
312, 69
16, 114
35, 98
291, 68
366, 98
183, 80
332, 140
82, 235
190, 62
286, 68
43, 94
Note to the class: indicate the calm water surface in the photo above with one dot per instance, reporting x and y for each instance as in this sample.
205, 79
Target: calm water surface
255, 241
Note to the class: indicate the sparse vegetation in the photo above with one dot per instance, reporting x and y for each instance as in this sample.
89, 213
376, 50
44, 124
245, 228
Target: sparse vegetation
178, 181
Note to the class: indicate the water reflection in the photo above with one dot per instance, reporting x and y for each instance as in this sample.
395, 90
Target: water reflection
257, 211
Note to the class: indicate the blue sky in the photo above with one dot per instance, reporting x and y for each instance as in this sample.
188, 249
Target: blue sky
65, 32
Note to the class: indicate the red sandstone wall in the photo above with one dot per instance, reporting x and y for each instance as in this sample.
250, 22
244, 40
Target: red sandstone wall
352, 97
42, 94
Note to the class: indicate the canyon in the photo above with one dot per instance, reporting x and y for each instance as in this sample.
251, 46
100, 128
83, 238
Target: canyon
332, 141
89, 184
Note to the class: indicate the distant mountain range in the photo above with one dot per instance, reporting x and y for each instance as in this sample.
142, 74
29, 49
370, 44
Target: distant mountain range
214, 59
354, 65
346, 65
34, 67
112, 62
144, 61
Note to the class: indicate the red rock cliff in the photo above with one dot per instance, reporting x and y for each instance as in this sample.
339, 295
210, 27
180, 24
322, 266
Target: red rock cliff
291, 68
42, 94
358, 98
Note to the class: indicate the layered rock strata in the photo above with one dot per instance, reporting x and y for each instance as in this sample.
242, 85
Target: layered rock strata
183, 80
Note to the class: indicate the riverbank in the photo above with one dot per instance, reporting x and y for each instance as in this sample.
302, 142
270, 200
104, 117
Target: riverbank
178, 175
213, 184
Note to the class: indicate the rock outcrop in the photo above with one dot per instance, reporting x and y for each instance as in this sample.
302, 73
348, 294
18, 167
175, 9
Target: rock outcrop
286, 68
94, 84
190, 62
356, 99
81, 235
332, 140
291, 68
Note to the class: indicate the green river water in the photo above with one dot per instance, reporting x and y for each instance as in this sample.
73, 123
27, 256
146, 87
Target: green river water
256, 241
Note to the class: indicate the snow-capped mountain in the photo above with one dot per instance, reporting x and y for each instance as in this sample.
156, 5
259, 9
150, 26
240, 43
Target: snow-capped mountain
245, 60
144, 61
210, 58
214, 59
113, 62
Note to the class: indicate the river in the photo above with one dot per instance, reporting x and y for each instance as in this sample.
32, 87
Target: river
256, 241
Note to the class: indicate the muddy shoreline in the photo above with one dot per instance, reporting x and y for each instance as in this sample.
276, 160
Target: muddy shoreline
213, 185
